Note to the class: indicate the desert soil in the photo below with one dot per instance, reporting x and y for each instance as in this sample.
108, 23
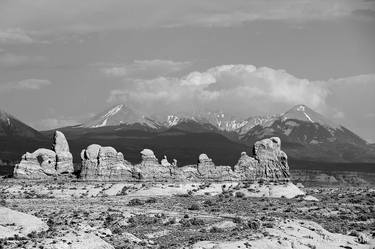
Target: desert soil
222, 215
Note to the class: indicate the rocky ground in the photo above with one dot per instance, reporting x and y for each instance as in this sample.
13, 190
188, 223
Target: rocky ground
225, 215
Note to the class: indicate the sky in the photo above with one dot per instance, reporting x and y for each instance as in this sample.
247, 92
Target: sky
62, 61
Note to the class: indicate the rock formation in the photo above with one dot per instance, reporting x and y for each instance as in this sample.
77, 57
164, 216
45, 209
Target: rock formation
164, 162
246, 168
208, 171
268, 163
148, 158
150, 169
44, 163
104, 163
64, 158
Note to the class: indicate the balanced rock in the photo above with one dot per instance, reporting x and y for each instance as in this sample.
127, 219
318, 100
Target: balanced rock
104, 163
44, 163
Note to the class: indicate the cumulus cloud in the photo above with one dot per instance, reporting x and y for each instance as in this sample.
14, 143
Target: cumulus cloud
27, 84
13, 36
245, 90
238, 89
143, 68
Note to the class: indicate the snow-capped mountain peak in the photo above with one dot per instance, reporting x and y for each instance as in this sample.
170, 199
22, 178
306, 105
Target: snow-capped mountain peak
306, 114
119, 115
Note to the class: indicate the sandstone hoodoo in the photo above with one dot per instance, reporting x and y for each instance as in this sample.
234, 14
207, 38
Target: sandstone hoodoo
64, 159
164, 162
268, 162
150, 169
104, 163
45, 163
208, 171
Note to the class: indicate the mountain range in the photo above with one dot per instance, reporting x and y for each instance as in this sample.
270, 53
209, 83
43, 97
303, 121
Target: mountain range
307, 136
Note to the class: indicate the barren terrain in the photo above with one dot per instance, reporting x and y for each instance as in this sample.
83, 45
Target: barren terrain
212, 215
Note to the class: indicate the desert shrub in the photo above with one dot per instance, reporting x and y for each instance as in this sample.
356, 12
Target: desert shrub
240, 195
192, 222
254, 224
170, 221
123, 191
3, 202
237, 220
208, 203
215, 229
135, 202
151, 200
197, 222
142, 219
268, 224
194, 206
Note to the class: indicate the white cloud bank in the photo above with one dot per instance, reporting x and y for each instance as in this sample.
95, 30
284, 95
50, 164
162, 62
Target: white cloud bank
244, 90
238, 89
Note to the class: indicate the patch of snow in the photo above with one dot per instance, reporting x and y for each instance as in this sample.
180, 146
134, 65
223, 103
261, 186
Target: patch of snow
308, 117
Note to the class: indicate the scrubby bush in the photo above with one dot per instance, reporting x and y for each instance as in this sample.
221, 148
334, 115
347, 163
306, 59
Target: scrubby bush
216, 230
194, 206
240, 195
254, 224
135, 202
3, 202
151, 200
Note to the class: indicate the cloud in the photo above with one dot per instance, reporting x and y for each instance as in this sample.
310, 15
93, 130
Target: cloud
72, 16
27, 84
14, 36
238, 89
143, 68
245, 90
52, 123
10, 60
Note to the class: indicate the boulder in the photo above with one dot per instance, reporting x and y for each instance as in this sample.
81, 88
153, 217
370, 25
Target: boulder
14, 223
104, 163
